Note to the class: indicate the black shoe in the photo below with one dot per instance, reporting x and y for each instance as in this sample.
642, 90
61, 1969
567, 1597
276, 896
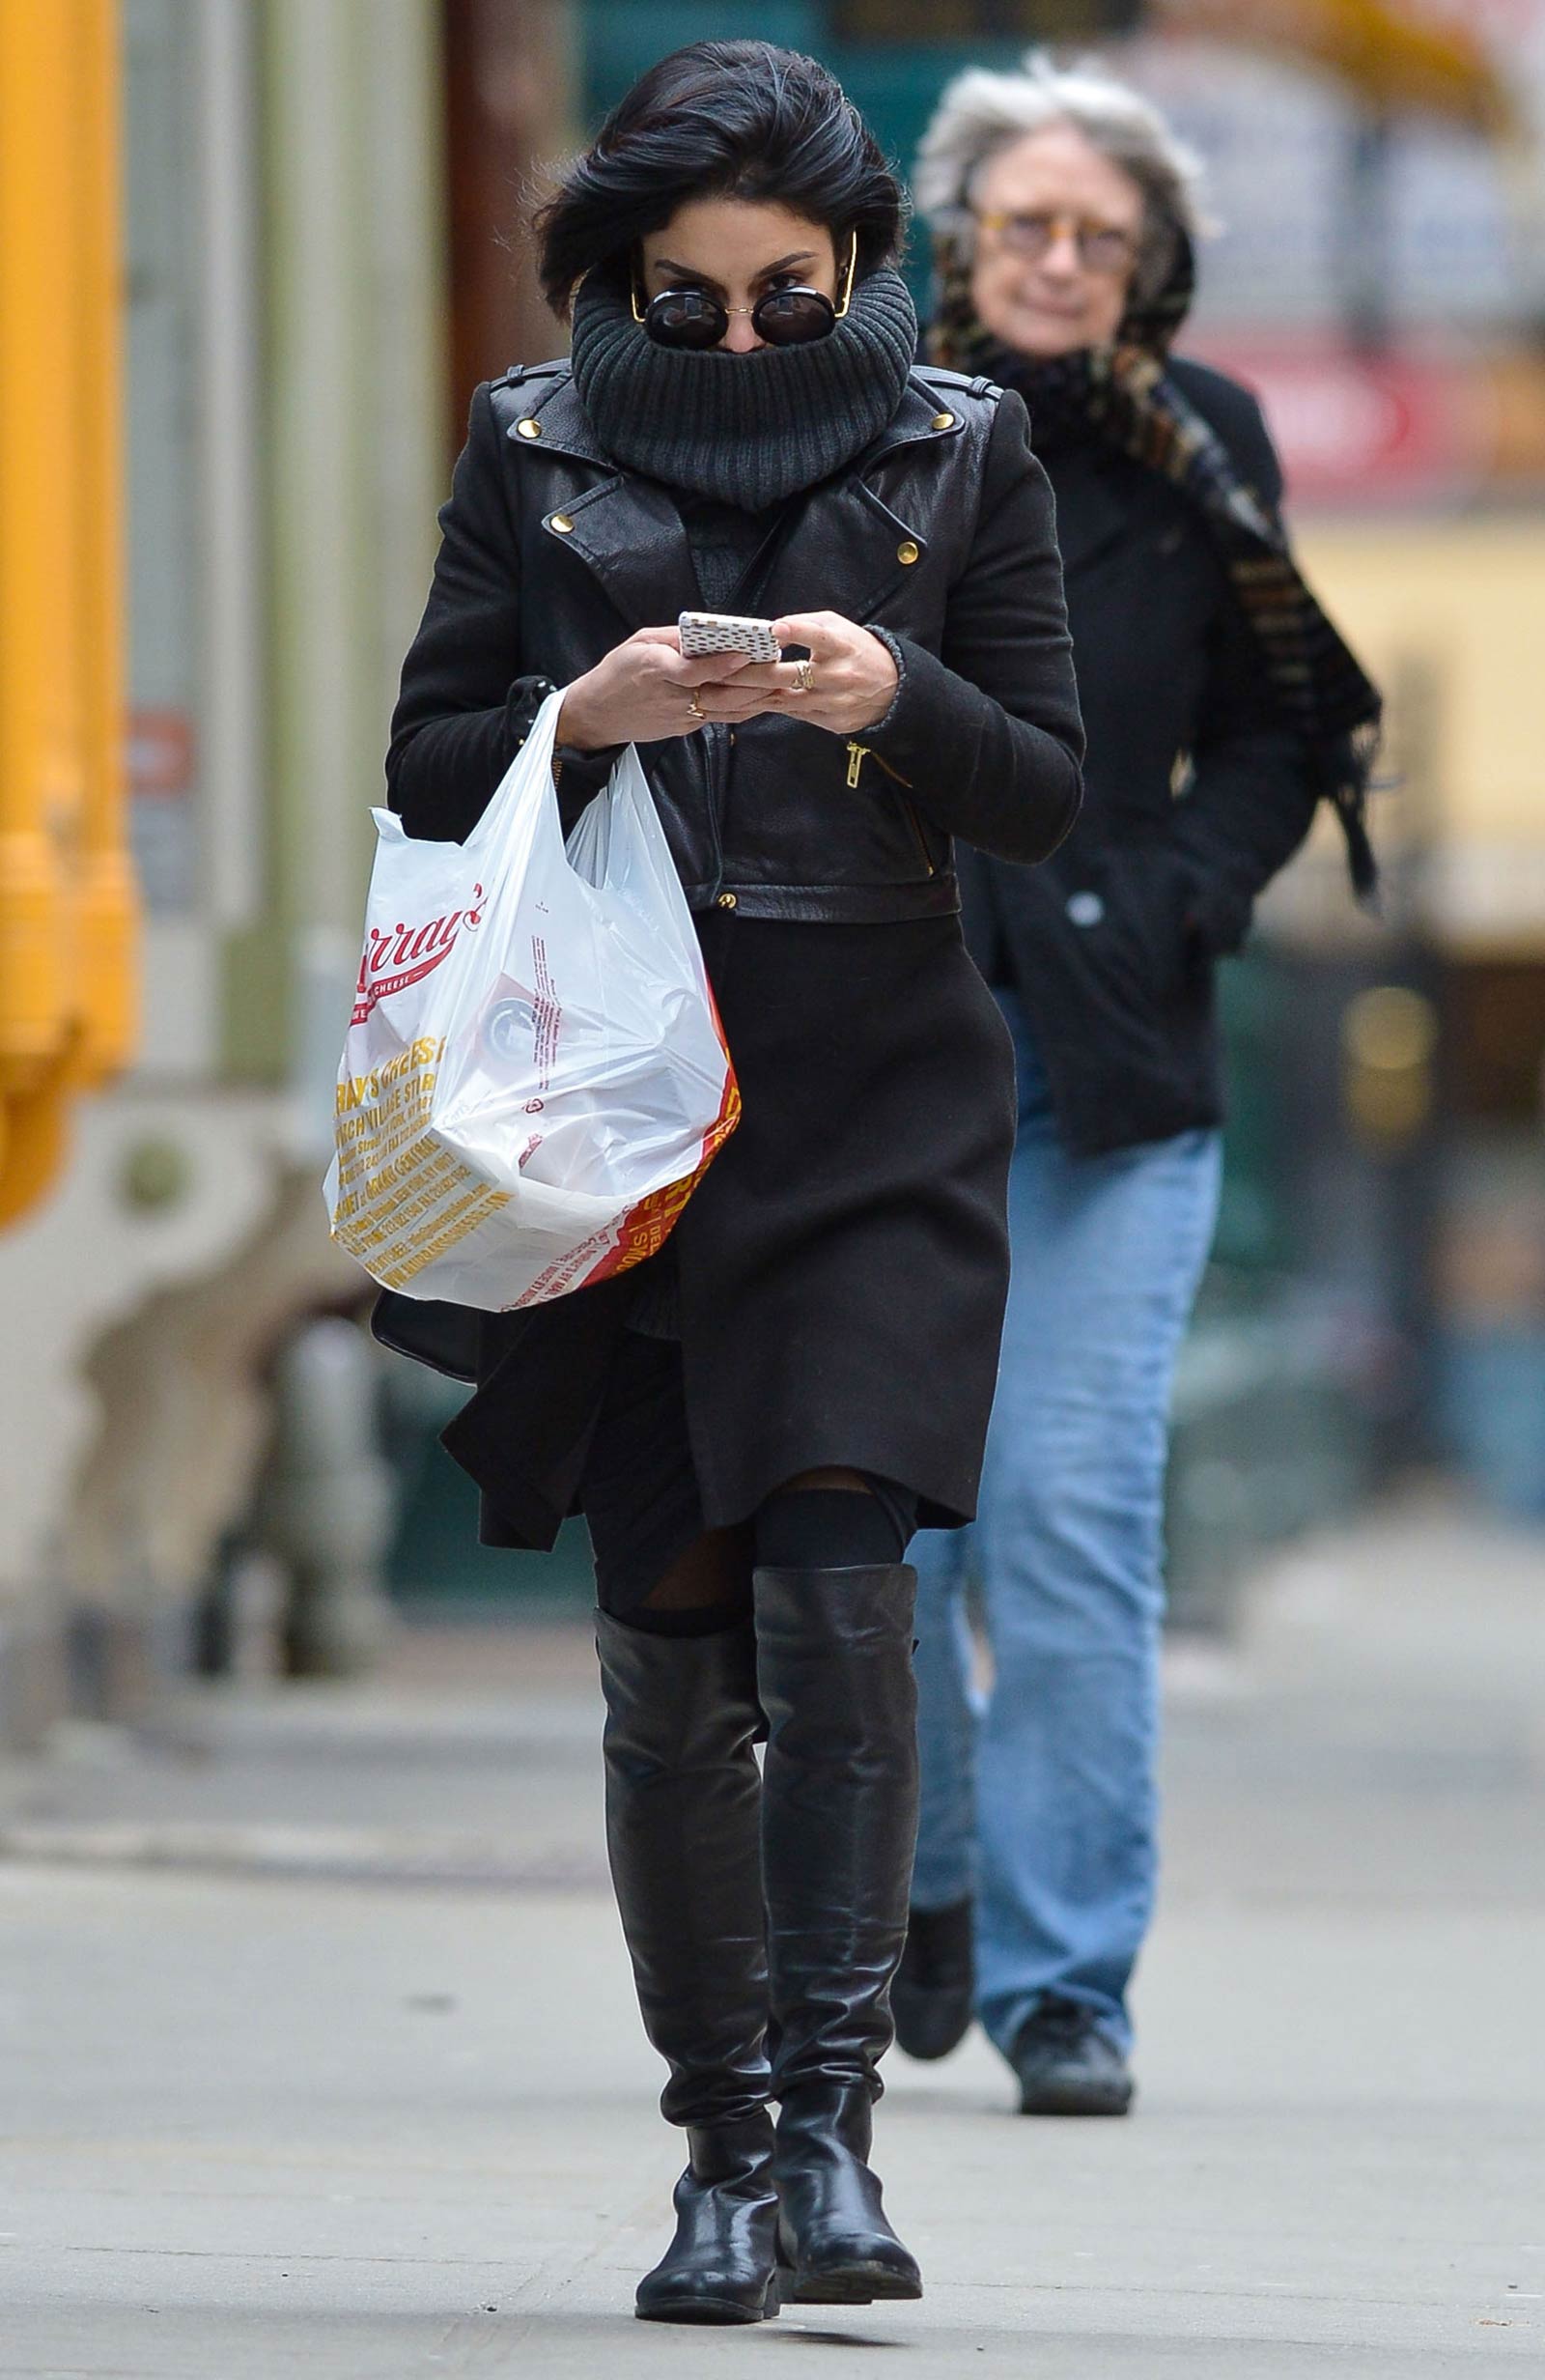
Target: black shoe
839, 1816
933, 1995
835, 2244
1067, 2065
683, 1838
722, 2264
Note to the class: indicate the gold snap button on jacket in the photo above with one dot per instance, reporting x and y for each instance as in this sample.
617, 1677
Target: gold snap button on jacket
560, 524
943, 421
727, 900
907, 551
527, 427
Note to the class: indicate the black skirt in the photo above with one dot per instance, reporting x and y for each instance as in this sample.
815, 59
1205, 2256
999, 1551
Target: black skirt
843, 1265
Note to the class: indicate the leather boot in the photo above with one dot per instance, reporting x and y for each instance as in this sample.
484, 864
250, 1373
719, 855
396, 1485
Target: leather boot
839, 1818
683, 1802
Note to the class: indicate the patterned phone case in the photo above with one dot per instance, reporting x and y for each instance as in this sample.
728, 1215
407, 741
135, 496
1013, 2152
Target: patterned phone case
721, 632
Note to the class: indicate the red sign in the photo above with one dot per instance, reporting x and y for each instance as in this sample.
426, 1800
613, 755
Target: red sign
160, 752
1359, 429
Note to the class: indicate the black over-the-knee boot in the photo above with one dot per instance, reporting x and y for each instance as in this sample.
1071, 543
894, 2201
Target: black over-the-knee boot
839, 1818
683, 1801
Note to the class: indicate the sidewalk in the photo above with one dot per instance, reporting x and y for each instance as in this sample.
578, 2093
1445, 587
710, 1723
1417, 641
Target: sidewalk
320, 2053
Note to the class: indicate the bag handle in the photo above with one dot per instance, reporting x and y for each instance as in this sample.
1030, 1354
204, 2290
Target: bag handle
529, 775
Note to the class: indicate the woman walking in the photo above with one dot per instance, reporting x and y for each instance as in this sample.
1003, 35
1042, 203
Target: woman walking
742, 425
1220, 706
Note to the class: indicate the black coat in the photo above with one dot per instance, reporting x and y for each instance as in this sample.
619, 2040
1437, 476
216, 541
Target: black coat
844, 1263
1111, 944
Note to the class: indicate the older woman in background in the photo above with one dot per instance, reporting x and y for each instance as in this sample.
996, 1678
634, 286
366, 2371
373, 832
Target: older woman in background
1220, 705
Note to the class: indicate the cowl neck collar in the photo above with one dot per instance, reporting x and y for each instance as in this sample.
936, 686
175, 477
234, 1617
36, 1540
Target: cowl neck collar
749, 430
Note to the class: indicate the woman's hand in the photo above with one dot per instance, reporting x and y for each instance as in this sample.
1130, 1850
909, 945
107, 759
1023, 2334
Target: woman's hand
852, 678
642, 691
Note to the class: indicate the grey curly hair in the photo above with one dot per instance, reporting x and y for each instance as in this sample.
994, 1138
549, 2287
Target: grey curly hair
982, 111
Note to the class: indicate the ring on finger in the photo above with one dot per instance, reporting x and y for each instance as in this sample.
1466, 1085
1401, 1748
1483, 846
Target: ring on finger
695, 710
804, 675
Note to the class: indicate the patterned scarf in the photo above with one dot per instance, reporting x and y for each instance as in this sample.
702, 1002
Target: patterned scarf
1125, 395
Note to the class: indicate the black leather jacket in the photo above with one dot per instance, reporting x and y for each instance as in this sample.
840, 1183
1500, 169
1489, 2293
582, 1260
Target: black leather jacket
941, 535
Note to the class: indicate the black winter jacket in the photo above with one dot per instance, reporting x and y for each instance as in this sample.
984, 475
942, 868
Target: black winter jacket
940, 534
1194, 797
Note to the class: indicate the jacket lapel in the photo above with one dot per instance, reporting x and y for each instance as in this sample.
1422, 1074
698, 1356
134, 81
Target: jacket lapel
845, 523
846, 530
624, 529
629, 536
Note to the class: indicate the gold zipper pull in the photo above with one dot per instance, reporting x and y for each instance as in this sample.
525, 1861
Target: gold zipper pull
857, 756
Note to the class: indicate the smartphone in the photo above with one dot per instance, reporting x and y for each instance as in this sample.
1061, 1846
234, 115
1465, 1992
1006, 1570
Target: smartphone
721, 631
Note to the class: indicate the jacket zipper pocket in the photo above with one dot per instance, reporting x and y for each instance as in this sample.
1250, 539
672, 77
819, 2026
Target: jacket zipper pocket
858, 755
922, 840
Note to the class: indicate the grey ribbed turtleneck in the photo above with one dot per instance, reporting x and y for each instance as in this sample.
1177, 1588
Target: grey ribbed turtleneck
746, 430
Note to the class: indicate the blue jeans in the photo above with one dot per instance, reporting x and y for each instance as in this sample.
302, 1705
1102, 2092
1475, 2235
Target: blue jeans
1039, 1798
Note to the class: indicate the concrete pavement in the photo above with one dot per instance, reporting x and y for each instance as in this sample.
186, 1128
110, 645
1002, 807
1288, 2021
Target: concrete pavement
319, 2051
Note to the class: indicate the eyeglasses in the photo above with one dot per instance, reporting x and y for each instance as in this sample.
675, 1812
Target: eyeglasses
1102, 247
690, 317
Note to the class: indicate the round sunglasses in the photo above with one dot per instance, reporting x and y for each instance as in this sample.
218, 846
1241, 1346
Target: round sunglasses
689, 317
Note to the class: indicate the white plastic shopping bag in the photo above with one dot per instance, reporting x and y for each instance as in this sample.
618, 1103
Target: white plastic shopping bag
534, 1077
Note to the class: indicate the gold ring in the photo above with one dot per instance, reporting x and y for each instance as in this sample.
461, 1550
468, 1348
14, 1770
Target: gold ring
804, 674
695, 710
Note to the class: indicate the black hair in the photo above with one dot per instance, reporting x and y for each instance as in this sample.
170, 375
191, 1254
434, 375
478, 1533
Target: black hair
732, 119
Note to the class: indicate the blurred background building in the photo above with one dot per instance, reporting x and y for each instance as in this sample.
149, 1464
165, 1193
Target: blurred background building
254, 255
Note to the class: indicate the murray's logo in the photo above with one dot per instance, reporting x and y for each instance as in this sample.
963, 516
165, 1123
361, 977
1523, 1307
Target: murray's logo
397, 955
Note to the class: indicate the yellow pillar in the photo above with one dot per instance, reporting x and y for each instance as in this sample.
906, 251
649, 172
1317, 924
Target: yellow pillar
38, 787
67, 904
